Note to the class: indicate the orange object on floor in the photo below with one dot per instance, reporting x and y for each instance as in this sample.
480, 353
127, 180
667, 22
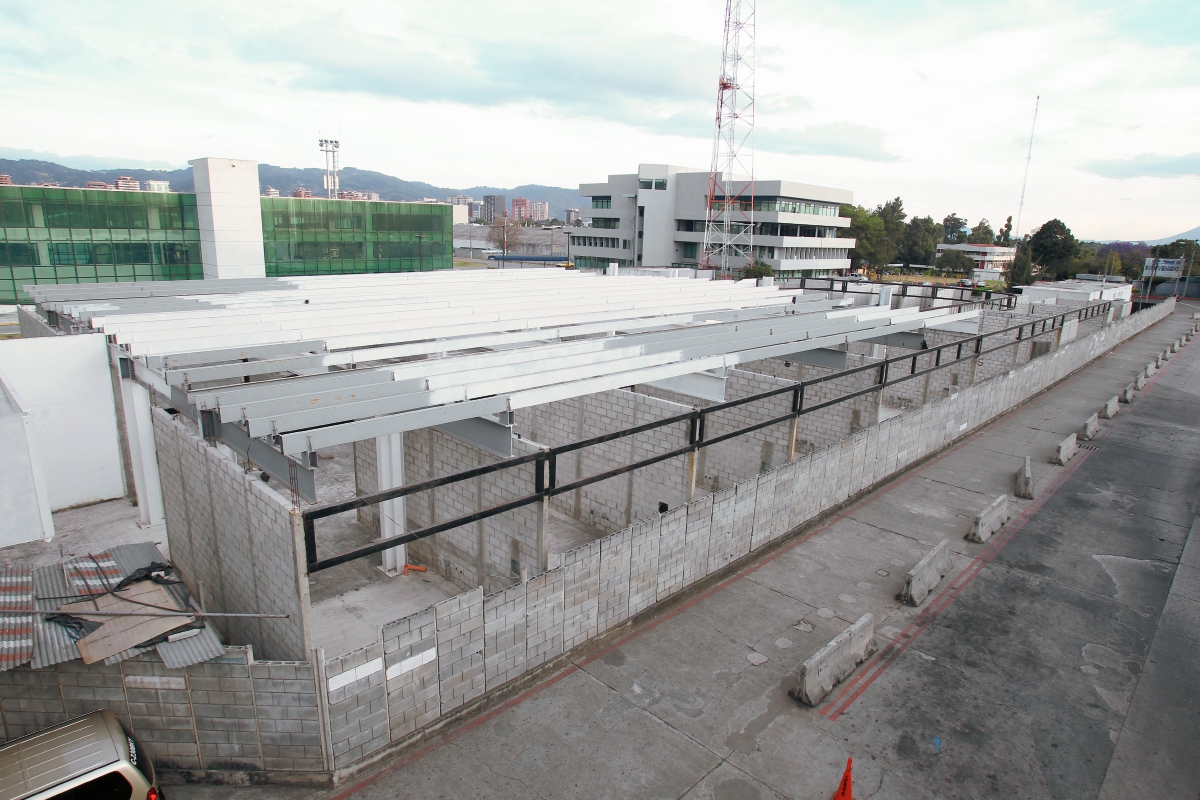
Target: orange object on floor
414, 568
846, 788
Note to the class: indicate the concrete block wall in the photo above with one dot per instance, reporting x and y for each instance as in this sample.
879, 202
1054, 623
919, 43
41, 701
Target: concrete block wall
366, 480
356, 705
613, 504
232, 538
479, 553
478, 640
228, 714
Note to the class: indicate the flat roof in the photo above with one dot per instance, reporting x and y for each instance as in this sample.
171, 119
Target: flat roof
309, 362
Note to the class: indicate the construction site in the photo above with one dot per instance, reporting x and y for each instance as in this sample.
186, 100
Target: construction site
384, 504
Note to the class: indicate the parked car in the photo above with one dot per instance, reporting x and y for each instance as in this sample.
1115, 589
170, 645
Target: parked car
93, 757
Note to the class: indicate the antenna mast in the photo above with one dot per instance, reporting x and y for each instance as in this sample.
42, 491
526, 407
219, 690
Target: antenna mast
330, 148
1028, 158
729, 224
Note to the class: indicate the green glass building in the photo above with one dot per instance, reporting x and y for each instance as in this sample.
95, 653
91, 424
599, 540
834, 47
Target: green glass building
56, 235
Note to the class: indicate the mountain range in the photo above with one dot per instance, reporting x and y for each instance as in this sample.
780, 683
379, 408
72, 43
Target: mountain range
287, 179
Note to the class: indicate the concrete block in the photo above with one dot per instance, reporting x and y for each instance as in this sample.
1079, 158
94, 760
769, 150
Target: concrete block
1150, 369
1126, 395
928, 573
1110, 408
1066, 449
1024, 479
1140, 382
1175, 346
835, 661
990, 520
1090, 427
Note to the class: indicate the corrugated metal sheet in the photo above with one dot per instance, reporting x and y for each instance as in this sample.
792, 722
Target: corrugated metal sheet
48, 588
16, 632
52, 643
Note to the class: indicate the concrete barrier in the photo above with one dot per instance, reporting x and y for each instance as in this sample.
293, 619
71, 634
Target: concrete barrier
1151, 368
1139, 383
1127, 393
1024, 478
1110, 408
1090, 428
926, 575
831, 664
990, 520
1066, 449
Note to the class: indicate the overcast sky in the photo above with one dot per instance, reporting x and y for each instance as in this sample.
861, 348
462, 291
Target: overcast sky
929, 101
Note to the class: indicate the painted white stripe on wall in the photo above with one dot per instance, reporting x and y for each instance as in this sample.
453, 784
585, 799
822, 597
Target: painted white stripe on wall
411, 663
348, 677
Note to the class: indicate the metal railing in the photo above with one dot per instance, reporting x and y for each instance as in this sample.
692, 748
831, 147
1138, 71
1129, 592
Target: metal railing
546, 462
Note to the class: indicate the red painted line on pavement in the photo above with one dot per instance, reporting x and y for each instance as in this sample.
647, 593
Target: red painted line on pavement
887, 656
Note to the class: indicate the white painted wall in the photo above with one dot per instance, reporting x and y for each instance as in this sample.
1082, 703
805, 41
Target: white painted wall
230, 217
64, 383
24, 504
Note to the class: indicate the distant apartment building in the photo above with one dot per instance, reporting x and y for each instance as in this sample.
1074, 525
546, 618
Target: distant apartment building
271, 192
994, 257
460, 200
539, 211
301, 192
520, 208
573, 216
124, 183
495, 206
5, 180
474, 210
656, 218
97, 185
158, 186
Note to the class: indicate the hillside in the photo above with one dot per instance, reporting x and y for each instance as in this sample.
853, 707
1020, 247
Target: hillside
286, 179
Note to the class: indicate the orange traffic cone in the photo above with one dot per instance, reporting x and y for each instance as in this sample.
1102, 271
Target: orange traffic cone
845, 788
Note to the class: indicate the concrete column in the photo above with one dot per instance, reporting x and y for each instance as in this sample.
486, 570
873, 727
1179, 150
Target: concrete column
143, 457
793, 433
389, 465
229, 213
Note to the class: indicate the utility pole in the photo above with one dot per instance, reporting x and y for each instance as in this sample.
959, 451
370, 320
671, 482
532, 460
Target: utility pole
330, 148
729, 224
1191, 261
1028, 158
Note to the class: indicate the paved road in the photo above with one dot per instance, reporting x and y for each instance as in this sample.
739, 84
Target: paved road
1048, 651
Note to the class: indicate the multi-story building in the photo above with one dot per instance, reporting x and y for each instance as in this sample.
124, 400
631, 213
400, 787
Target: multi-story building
460, 200
474, 210
521, 209
539, 211
271, 192
656, 218
989, 257
301, 192
158, 186
5, 180
495, 206
90, 185
125, 183
223, 229
573, 216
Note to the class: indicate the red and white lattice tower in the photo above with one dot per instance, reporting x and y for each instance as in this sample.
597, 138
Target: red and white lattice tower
729, 232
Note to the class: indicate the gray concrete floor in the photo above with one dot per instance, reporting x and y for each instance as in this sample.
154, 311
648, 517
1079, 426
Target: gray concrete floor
87, 529
1049, 668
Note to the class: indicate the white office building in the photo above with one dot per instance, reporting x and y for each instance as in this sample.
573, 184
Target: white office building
656, 218
993, 259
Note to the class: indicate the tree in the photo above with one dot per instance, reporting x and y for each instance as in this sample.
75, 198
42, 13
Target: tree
1004, 237
892, 215
505, 235
982, 233
955, 228
759, 269
955, 262
866, 228
919, 244
1021, 271
1053, 249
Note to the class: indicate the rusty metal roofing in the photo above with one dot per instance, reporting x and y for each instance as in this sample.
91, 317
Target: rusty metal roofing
36, 641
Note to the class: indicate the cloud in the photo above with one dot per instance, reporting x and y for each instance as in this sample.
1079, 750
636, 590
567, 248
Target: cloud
1146, 165
843, 139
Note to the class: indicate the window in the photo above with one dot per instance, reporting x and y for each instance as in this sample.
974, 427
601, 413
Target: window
109, 786
645, 183
592, 262
689, 249
690, 225
593, 241
624, 244
660, 183
606, 222
602, 202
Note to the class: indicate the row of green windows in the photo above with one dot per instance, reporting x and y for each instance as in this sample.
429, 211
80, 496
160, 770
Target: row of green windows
321, 221
655, 183
591, 262
13, 278
309, 251
602, 202
610, 223
284, 269
29, 207
784, 204
17, 254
